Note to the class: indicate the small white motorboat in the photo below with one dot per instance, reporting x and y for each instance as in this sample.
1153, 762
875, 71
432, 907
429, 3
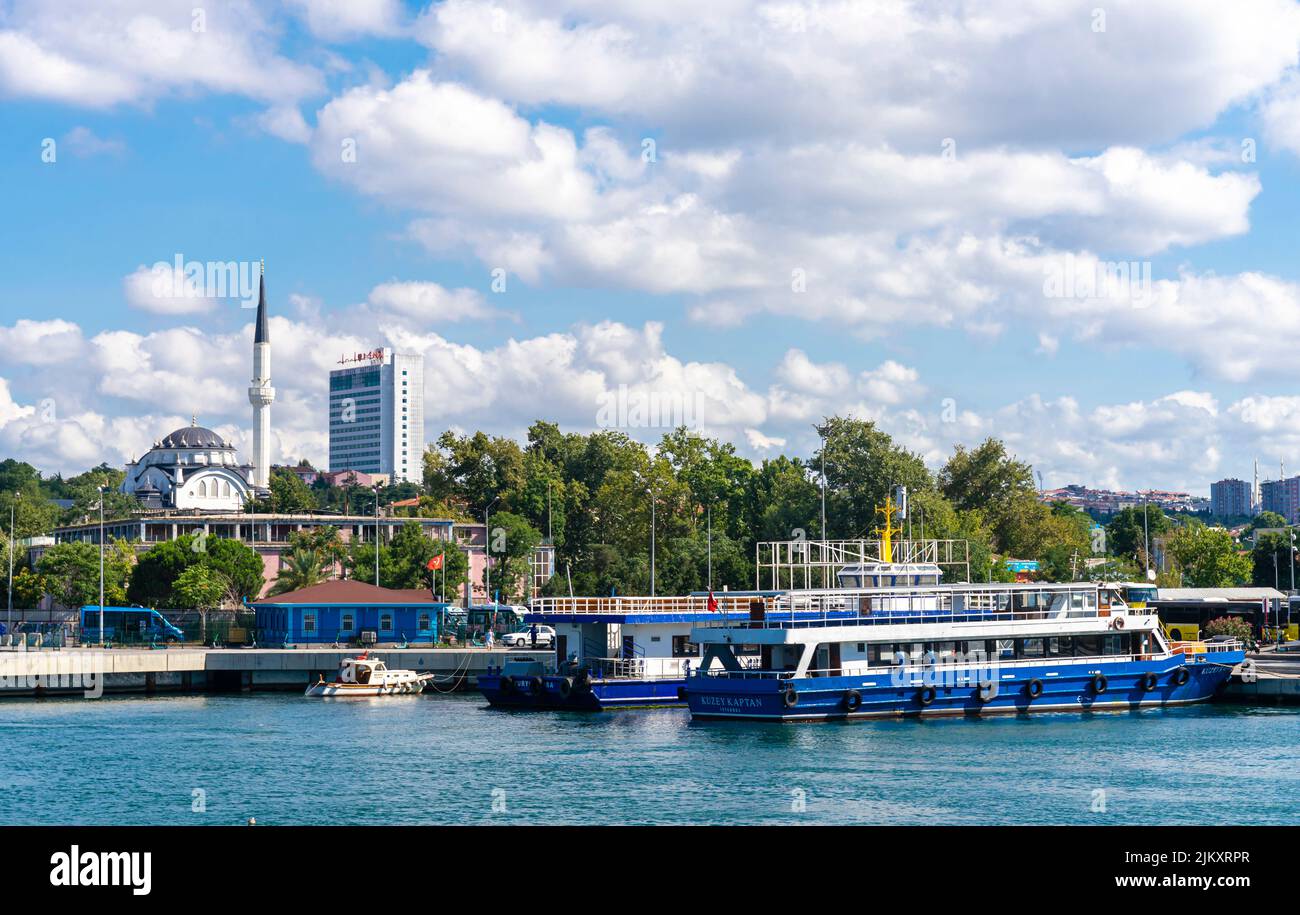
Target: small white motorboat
366, 676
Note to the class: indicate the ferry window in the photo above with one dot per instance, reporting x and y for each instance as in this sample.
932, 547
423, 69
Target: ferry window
309, 622
945, 649
1031, 648
862, 647
386, 622
1116, 643
880, 653
1006, 649
1054, 648
347, 621
1087, 646
683, 647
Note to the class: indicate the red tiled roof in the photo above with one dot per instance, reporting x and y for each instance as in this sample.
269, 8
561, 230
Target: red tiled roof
349, 592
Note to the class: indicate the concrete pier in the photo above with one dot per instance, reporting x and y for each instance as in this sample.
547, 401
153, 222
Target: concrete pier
85, 671
1275, 680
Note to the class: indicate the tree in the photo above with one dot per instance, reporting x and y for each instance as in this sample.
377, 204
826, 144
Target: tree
70, 572
288, 494
404, 563
201, 588
154, 579
988, 479
1269, 558
301, 568
863, 465
511, 543
1126, 535
1208, 557
1266, 520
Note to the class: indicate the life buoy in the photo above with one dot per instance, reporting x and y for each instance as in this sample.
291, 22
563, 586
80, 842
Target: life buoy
1180, 676
1034, 688
1117, 622
565, 687
790, 697
987, 692
852, 700
926, 695
1099, 684
1147, 682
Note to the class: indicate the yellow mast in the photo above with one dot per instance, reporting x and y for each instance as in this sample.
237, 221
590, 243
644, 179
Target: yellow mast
888, 530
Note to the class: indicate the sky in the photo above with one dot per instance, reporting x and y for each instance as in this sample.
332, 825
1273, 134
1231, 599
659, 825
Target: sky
1067, 225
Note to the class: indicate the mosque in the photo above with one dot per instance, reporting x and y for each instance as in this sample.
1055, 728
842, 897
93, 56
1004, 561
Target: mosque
194, 468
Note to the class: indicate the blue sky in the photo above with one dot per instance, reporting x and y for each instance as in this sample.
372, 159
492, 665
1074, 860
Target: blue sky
922, 171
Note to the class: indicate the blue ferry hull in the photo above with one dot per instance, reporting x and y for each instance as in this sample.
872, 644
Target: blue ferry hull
1061, 688
549, 692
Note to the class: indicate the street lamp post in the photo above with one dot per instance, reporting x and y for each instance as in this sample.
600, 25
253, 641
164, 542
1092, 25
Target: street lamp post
487, 548
376, 535
1146, 539
710, 539
101, 566
821, 435
9, 619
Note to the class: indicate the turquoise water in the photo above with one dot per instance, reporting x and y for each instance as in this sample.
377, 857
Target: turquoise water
448, 759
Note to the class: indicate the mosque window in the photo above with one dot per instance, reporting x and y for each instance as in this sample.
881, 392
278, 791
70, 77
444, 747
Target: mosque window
203, 490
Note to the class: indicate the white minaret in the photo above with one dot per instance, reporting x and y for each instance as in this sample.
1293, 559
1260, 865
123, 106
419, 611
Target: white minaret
260, 393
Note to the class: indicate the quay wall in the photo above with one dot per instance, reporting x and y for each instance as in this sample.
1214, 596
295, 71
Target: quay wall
87, 671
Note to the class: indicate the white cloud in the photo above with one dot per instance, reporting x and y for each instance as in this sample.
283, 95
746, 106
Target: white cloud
100, 53
343, 19
430, 302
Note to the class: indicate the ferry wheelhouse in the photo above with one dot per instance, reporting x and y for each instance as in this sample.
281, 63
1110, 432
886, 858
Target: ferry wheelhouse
946, 650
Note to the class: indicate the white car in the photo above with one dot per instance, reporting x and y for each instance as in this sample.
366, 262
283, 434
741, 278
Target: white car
523, 639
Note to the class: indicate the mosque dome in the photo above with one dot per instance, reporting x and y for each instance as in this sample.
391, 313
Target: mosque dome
195, 437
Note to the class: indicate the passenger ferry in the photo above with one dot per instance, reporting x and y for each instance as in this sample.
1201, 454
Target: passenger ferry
946, 650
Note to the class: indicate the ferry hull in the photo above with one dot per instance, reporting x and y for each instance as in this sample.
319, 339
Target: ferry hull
1062, 690
550, 692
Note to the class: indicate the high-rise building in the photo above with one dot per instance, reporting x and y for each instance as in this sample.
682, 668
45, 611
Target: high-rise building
1283, 497
1229, 498
376, 413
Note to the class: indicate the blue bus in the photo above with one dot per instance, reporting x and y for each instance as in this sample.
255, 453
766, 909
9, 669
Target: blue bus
128, 624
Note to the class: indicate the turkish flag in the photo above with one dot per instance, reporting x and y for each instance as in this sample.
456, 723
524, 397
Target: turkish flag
436, 562
713, 603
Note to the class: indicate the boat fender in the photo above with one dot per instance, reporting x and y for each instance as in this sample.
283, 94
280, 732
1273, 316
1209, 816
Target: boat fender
565, 687
1181, 676
536, 685
852, 700
1147, 681
987, 692
1099, 683
1034, 688
790, 697
1117, 622
926, 695
507, 684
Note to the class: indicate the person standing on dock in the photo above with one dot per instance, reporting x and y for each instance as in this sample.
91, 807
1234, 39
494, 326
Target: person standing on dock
489, 639
532, 634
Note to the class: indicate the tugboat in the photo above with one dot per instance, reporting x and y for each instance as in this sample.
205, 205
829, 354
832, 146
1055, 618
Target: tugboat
367, 676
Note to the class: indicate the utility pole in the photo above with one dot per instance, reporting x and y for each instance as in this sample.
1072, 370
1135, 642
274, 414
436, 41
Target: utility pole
821, 435
1291, 531
376, 535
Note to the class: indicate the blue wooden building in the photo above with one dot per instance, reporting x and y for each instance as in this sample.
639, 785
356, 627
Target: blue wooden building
348, 612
